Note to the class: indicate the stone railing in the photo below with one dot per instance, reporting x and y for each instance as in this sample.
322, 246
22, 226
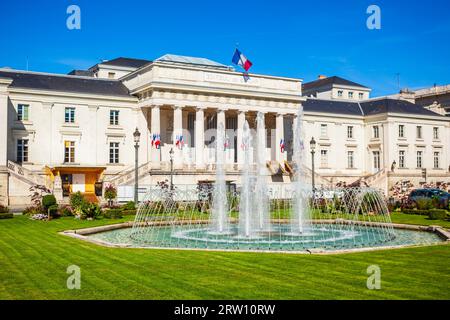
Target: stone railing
128, 175
26, 175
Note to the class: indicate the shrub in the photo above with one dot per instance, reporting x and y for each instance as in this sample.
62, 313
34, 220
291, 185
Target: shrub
110, 194
5, 215
37, 192
48, 201
128, 212
416, 212
65, 211
4, 209
437, 214
112, 214
34, 210
90, 211
130, 205
53, 211
77, 200
424, 203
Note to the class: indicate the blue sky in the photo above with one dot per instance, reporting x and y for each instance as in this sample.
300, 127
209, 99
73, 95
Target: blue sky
299, 39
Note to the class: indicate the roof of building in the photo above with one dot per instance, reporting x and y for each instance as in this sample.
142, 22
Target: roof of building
83, 73
366, 108
64, 83
332, 106
172, 58
330, 81
387, 105
124, 62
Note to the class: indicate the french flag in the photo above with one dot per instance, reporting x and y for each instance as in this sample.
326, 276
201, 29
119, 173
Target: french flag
240, 60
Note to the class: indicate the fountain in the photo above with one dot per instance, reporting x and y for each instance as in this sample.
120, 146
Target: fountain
220, 202
300, 218
259, 217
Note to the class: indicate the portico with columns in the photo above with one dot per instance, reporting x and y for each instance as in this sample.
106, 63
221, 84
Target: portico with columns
191, 102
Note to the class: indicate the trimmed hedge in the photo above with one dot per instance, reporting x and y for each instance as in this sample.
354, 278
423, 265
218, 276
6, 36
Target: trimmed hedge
112, 214
6, 216
438, 214
48, 201
128, 212
417, 212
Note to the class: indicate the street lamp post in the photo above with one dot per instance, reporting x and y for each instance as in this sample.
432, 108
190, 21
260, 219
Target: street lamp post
313, 151
171, 153
137, 137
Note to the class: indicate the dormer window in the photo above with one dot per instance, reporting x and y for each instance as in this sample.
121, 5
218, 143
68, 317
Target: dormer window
340, 93
350, 95
361, 96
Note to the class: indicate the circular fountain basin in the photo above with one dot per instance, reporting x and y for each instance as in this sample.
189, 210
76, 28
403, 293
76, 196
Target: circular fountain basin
317, 237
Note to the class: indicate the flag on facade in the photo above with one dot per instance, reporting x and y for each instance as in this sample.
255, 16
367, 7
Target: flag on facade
156, 140
240, 60
179, 141
282, 146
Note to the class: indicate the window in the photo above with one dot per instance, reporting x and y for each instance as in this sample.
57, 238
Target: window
376, 132
436, 160
114, 117
436, 133
69, 116
401, 159
351, 159
69, 151
401, 131
350, 132
324, 130
111, 75
376, 160
114, 152
211, 122
361, 96
22, 112
419, 132
324, 158
22, 151
419, 159
350, 95
340, 93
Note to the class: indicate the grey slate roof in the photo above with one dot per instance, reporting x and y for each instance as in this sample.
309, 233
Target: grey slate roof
366, 108
64, 83
83, 73
329, 81
332, 106
394, 106
125, 62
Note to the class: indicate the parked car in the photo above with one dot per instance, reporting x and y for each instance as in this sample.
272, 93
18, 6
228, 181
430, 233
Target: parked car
430, 194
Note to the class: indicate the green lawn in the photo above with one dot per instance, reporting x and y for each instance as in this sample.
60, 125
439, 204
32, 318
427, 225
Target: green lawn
34, 259
418, 220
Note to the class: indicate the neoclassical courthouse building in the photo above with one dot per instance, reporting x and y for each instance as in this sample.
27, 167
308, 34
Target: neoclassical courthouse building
75, 132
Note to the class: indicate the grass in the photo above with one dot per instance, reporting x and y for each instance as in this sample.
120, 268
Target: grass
34, 259
398, 217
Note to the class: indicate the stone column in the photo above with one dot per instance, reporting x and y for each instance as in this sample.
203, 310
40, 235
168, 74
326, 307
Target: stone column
4, 175
155, 130
177, 131
240, 128
200, 138
279, 135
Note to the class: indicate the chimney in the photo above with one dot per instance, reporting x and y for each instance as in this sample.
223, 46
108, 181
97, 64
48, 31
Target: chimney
321, 77
408, 95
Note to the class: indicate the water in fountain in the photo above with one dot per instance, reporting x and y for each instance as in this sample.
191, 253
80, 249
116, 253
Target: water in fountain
261, 198
300, 215
247, 221
220, 203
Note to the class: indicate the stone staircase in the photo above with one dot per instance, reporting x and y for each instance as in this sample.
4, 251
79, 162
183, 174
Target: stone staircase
127, 176
27, 176
377, 180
